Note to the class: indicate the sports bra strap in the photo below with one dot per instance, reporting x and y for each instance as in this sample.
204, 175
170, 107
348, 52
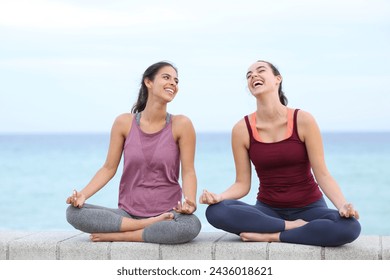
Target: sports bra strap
138, 118
291, 124
168, 118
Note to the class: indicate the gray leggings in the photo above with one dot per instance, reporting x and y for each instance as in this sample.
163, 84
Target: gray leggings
92, 218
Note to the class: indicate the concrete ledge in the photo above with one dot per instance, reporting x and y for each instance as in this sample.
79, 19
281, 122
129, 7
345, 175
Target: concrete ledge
75, 245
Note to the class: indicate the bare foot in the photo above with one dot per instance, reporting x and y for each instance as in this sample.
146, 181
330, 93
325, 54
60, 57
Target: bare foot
163, 217
130, 224
131, 229
294, 224
129, 236
271, 237
260, 237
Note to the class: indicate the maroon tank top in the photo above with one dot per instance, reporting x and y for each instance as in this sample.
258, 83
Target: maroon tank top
284, 170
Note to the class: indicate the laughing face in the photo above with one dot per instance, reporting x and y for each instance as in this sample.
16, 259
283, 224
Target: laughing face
261, 79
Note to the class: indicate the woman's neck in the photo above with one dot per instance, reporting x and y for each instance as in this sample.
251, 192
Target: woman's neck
154, 113
270, 109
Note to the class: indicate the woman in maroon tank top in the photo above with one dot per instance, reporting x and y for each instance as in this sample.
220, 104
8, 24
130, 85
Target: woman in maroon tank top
286, 149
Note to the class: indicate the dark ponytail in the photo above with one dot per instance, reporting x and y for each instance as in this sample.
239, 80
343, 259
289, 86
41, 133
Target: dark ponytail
150, 74
283, 99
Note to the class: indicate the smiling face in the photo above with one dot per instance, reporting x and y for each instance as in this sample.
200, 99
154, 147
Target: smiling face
261, 78
164, 85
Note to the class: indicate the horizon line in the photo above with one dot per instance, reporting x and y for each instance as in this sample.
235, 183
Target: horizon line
3, 133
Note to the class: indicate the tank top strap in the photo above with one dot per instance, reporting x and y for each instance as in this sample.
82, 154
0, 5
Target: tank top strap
295, 128
248, 126
138, 118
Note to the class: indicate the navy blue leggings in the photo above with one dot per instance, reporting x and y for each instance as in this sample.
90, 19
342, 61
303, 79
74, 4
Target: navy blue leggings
325, 226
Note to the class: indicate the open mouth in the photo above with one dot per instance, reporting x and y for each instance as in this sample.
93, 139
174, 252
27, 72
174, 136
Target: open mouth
169, 90
257, 84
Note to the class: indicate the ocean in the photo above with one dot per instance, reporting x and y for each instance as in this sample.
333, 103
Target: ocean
39, 171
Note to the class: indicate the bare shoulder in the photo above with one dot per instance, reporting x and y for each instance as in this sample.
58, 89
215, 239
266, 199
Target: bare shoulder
240, 133
239, 127
182, 126
122, 123
123, 119
307, 124
305, 117
181, 120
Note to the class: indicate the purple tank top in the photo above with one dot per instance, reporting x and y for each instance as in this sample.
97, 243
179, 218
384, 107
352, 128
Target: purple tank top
284, 171
149, 184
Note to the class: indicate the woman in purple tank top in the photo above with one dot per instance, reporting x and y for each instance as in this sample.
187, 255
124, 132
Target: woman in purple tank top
286, 149
154, 145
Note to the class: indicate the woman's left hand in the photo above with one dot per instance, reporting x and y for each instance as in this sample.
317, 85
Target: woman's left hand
348, 211
187, 207
77, 199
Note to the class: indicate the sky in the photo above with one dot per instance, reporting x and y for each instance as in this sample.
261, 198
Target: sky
74, 65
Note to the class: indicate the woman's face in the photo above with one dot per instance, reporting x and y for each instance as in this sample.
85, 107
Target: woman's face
260, 78
165, 84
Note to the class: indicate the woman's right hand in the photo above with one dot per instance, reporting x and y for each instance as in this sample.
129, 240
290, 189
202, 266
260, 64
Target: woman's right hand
209, 198
77, 199
348, 211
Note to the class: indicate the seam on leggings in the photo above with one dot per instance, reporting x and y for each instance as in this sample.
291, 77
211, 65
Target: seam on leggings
380, 255
322, 252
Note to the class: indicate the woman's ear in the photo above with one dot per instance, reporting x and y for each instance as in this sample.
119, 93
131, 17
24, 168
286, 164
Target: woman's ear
279, 79
148, 83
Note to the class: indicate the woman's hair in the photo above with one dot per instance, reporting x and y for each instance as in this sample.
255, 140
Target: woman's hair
150, 73
283, 99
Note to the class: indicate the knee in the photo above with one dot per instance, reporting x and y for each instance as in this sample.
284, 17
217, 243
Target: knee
70, 213
351, 230
216, 212
346, 230
182, 229
72, 216
190, 230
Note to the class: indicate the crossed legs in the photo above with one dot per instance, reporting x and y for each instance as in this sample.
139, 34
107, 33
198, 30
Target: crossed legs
314, 224
107, 224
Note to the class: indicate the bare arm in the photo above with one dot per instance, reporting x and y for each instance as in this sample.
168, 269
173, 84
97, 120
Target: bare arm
119, 131
310, 134
184, 132
241, 186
